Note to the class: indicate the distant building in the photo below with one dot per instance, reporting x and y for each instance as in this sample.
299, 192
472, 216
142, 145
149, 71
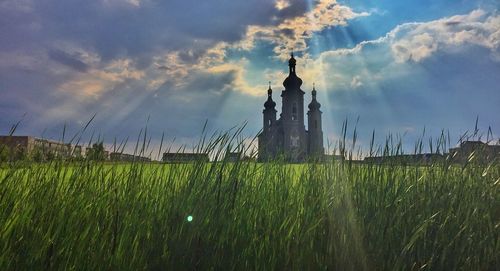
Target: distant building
237, 156
468, 151
424, 158
90, 153
233, 156
287, 136
125, 157
476, 151
332, 157
40, 149
28, 145
170, 157
77, 151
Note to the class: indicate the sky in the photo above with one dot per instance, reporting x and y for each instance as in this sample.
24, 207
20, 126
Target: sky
393, 67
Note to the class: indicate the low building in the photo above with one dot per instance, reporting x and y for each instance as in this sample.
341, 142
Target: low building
238, 156
332, 157
88, 150
77, 151
40, 149
125, 157
233, 156
22, 146
475, 151
170, 157
96, 151
423, 158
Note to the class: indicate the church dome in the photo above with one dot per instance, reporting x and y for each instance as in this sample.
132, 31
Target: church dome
292, 81
314, 105
269, 104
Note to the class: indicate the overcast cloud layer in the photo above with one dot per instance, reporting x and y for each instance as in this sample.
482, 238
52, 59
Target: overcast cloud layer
398, 67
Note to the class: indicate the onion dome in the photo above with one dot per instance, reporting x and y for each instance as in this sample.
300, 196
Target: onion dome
292, 81
314, 105
269, 104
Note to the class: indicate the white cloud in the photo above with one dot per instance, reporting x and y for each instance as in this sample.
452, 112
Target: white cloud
414, 48
391, 55
356, 82
282, 4
417, 41
291, 34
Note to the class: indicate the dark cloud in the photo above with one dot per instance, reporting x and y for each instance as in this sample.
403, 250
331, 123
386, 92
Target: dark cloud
452, 23
191, 55
288, 32
120, 30
68, 60
116, 30
295, 9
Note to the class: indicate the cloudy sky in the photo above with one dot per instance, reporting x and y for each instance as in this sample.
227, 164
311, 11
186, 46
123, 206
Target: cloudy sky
399, 66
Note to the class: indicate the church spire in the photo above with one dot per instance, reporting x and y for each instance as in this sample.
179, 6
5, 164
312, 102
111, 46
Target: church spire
314, 105
291, 63
292, 82
269, 104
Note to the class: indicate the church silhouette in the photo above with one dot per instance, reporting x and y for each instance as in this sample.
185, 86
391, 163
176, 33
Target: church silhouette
287, 136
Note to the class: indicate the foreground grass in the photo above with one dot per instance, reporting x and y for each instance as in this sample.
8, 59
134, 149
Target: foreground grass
245, 215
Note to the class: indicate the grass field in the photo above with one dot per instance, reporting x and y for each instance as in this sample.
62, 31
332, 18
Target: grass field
339, 215
247, 215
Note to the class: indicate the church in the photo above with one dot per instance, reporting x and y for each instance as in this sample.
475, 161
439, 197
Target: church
287, 136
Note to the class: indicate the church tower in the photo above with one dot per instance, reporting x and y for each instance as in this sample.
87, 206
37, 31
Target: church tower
287, 137
267, 138
315, 132
292, 116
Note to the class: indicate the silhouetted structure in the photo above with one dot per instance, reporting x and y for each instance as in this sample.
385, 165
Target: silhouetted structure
332, 157
468, 151
125, 157
423, 158
233, 156
475, 151
171, 157
287, 137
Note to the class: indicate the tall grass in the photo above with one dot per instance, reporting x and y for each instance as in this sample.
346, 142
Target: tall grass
263, 216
